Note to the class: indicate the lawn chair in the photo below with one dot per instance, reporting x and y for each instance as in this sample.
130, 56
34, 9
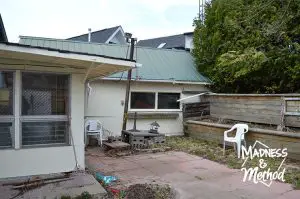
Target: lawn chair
94, 128
241, 129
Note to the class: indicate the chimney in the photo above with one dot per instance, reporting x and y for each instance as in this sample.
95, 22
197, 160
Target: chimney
90, 34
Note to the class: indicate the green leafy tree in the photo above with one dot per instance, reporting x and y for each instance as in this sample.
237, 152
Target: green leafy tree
250, 46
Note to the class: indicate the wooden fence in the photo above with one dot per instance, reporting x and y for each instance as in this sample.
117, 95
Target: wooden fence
282, 110
195, 109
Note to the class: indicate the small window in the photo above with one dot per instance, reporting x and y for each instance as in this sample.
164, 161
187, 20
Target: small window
168, 101
142, 100
161, 45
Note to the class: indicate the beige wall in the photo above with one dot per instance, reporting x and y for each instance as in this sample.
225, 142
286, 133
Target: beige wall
45, 160
105, 104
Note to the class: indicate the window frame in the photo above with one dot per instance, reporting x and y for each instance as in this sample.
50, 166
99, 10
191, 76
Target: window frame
45, 118
156, 109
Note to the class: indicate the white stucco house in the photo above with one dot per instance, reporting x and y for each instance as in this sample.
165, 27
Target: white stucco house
42, 106
165, 76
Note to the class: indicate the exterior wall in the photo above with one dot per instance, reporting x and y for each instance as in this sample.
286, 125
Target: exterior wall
45, 160
106, 105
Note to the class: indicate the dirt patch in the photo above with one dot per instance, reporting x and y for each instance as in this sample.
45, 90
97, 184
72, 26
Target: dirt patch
149, 191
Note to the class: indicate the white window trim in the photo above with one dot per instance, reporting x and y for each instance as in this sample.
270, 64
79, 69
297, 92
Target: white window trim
156, 109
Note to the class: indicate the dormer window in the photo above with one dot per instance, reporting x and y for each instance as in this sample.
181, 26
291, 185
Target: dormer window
161, 45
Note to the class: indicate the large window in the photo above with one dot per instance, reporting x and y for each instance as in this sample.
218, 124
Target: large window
154, 100
6, 108
142, 100
33, 109
45, 104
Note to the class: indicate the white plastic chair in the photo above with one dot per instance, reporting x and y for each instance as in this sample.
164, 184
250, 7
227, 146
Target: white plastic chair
94, 128
241, 129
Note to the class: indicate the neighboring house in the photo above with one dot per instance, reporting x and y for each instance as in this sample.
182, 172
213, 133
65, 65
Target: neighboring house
114, 35
164, 77
180, 42
42, 97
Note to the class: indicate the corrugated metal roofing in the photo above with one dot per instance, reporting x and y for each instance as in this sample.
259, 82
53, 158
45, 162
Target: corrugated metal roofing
157, 64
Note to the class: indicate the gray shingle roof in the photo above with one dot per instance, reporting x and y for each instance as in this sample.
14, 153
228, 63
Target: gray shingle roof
174, 41
3, 37
100, 36
157, 64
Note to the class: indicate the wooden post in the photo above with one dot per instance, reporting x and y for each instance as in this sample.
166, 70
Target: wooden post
125, 115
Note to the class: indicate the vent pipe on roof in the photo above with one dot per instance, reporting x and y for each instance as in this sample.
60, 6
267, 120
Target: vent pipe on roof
128, 36
90, 33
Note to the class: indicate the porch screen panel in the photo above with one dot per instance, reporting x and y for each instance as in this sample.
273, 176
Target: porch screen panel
6, 93
44, 94
45, 104
6, 109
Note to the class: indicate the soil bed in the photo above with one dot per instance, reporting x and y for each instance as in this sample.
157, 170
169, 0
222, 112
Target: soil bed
149, 191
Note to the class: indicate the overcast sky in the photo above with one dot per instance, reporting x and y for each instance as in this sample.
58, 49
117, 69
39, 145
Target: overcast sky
67, 18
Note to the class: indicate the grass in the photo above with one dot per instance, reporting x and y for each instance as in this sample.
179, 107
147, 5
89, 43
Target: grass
213, 151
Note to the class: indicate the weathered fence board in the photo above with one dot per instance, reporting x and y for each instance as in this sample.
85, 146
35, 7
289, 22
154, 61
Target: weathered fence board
195, 109
265, 109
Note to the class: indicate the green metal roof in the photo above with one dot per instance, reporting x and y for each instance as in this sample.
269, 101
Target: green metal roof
157, 64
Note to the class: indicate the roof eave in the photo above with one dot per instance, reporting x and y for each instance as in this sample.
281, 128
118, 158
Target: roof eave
92, 66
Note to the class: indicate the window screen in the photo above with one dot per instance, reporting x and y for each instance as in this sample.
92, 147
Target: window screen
44, 94
168, 101
142, 100
6, 93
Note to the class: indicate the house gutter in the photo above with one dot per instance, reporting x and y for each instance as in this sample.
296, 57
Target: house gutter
160, 81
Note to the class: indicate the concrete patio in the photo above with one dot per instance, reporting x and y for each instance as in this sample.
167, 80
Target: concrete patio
75, 185
191, 176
